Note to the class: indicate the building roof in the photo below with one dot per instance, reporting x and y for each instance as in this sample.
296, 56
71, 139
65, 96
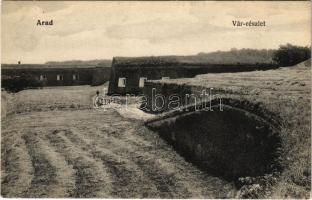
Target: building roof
142, 61
167, 61
45, 66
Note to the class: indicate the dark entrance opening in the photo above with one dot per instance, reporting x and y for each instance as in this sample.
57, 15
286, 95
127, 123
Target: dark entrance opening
231, 143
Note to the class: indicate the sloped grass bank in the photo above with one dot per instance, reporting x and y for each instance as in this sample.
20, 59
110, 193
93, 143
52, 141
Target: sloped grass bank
280, 97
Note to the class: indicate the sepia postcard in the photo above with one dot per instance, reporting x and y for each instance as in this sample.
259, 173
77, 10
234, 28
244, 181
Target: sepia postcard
156, 99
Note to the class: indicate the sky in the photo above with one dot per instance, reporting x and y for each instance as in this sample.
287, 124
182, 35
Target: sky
102, 30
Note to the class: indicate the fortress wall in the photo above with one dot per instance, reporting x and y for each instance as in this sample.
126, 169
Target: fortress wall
87, 76
133, 72
100, 75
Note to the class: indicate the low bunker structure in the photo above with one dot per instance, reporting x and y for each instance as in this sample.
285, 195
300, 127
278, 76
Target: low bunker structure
128, 75
59, 75
262, 128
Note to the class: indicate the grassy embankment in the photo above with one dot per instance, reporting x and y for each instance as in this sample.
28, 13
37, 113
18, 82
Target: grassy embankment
286, 93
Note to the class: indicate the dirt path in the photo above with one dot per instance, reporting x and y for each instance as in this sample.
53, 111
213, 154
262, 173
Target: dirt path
90, 153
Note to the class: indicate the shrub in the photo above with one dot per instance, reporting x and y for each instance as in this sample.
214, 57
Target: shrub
288, 55
18, 83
